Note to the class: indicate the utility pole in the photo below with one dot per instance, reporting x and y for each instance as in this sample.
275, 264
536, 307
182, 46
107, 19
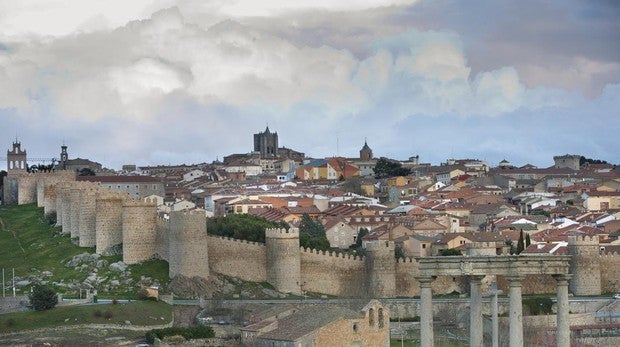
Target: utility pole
13, 282
3, 293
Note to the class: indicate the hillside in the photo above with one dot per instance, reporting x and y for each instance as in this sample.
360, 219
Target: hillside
40, 253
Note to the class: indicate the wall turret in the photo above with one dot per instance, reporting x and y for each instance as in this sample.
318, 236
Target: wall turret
139, 231
188, 251
585, 265
283, 259
381, 269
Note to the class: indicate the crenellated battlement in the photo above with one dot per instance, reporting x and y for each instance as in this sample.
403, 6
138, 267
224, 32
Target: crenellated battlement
237, 241
282, 233
331, 254
583, 240
406, 260
137, 203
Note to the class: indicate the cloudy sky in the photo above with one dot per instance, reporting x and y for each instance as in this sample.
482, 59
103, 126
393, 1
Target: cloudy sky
189, 81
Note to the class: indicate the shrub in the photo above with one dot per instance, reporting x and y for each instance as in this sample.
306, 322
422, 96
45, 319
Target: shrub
200, 332
51, 218
107, 314
97, 313
9, 322
43, 298
538, 305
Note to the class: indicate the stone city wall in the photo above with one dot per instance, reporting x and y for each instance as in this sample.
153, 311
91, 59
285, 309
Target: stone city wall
27, 188
162, 239
238, 258
610, 273
87, 218
108, 221
585, 265
283, 259
139, 224
74, 196
188, 249
406, 284
332, 273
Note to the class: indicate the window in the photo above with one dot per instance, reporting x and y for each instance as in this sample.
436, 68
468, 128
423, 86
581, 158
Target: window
355, 328
424, 245
371, 317
381, 318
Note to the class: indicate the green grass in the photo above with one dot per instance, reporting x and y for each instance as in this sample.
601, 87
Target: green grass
28, 245
31, 246
138, 313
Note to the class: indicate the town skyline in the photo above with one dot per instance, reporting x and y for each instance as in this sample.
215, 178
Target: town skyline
177, 82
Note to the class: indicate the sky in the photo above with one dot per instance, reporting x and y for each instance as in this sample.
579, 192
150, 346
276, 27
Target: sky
190, 81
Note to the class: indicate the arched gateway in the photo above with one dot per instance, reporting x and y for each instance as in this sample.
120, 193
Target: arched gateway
514, 269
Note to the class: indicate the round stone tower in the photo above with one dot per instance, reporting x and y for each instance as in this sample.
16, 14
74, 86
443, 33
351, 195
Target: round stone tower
381, 269
283, 259
585, 265
188, 254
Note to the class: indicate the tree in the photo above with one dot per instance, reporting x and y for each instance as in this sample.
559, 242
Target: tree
389, 168
528, 242
312, 234
520, 243
311, 226
86, 172
360, 234
241, 226
43, 298
399, 252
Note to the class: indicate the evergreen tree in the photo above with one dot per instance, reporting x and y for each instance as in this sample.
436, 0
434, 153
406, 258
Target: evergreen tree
528, 242
43, 298
520, 244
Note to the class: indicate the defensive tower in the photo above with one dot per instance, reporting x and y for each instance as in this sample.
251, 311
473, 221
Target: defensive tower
585, 265
283, 259
381, 269
188, 254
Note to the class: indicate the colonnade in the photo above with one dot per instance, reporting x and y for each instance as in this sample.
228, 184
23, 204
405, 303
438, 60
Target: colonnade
514, 269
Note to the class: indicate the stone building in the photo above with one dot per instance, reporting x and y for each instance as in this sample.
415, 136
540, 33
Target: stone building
323, 326
266, 143
570, 161
365, 152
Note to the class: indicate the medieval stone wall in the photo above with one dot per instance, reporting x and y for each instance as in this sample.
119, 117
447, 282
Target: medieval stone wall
108, 221
188, 249
584, 265
74, 196
283, 259
237, 258
27, 189
162, 239
139, 223
332, 273
87, 217
381, 269
610, 273
406, 284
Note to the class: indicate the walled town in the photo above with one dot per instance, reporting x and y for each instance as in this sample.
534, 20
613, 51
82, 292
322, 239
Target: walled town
391, 229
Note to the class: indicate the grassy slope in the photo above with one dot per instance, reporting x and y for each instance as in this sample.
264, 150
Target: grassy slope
31, 247
137, 312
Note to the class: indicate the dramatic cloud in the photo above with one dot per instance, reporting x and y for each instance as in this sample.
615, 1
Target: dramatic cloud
189, 81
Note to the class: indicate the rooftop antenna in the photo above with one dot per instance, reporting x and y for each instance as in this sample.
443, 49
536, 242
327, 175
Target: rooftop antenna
337, 146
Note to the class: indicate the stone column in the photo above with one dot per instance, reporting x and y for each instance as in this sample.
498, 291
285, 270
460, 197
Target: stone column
563, 328
516, 310
426, 311
475, 311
